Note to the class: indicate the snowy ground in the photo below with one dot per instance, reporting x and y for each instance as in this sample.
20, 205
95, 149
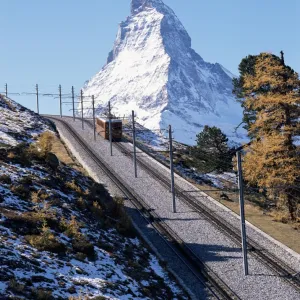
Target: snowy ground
18, 124
61, 234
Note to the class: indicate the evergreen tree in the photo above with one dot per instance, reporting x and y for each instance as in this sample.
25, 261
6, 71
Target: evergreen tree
271, 92
246, 67
212, 151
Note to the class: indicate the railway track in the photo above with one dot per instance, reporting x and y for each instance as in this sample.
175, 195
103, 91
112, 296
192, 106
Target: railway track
268, 259
206, 277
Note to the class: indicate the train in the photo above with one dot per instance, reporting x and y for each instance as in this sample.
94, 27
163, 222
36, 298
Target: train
102, 128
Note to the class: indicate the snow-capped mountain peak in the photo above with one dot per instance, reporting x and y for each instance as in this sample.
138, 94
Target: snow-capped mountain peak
153, 70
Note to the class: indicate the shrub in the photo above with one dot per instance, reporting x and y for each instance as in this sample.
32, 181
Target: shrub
15, 286
46, 241
71, 228
27, 180
125, 227
281, 216
33, 152
81, 203
41, 294
19, 155
80, 256
45, 142
73, 186
21, 191
97, 191
24, 223
117, 207
105, 246
82, 245
124, 224
34, 197
5, 179
96, 209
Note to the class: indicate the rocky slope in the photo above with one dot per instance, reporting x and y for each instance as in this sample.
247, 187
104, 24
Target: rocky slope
18, 124
153, 70
62, 236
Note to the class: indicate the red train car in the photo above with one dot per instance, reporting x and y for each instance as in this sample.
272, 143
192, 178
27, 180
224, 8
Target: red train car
102, 127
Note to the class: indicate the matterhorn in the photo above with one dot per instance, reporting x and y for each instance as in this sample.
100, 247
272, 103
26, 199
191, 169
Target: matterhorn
153, 70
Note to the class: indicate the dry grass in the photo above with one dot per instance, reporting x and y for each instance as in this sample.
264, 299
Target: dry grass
73, 186
274, 223
45, 142
65, 155
282, 216
70, 228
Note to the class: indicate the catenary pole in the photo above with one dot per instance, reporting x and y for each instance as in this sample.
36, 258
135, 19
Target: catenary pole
37, 98
81, 100
134, 146
172, 169
110, 128
94, 120
73, 102
242, 213
60, 101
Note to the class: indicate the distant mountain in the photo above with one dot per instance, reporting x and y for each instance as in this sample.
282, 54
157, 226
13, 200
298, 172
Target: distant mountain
153, 70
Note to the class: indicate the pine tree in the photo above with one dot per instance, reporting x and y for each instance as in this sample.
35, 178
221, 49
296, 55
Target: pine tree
271, 91
246, 67
212, 151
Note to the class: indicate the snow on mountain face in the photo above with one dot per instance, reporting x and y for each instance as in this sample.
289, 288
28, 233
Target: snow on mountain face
153, 70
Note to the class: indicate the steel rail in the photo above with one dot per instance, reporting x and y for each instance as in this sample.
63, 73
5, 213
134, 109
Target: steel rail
267, 258
216, 285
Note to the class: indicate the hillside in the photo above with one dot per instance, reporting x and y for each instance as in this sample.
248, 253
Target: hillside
62, 235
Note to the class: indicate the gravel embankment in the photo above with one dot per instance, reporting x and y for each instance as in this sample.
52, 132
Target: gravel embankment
218, 252
162, 250
288, 256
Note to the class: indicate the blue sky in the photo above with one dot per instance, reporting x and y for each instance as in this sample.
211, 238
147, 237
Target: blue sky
67, 41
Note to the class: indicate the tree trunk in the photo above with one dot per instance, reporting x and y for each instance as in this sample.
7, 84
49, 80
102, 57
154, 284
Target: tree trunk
291, 207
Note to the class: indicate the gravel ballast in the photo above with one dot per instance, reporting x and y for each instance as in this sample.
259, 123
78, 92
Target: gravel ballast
214, 248
179, 270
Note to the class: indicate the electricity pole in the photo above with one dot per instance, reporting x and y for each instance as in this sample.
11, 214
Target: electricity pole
6, 90
81, 99
73, 100
37, 98
110, 128
60, 101
94, 119
172, 169
242, 213
134, 147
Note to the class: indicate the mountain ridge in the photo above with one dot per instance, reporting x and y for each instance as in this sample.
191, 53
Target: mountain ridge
153, 70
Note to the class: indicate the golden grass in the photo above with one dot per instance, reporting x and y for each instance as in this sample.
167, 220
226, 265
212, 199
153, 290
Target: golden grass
64, 155
271, 223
